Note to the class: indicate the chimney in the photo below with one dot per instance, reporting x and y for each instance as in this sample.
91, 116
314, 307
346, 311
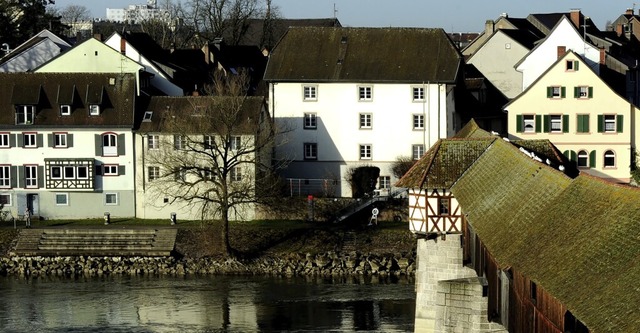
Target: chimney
619, 29
629, 11
562, 50
123, 45
488, 27
96, 36
574, 15
603, 56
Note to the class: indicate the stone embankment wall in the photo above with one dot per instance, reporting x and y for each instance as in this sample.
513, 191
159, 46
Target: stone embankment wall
295, 264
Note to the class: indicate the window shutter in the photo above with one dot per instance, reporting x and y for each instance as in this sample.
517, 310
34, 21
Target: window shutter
50, 140
592, 159
121, 169
121, 145
20, 176
20, 140
12, 140
519, 123
549, 92
619, 124
547, 123
590, 92
566, 154
98, 169
580, 123
98, 144
575, 65
585, 123
600, 123
576, 92
69, 140
14, 176
563, 92
538, 121
40, 176
574, 156
40, 140
565, 123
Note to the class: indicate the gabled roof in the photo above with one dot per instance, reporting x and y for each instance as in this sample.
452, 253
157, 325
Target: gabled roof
255, 34
472, 130
33, 41
364, 55
113, 92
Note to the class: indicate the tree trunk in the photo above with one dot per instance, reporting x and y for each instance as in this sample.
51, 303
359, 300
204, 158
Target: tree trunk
228, 251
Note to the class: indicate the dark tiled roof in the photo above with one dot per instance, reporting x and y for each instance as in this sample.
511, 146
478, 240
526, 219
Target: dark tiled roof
472, 130
364, 55
525, 38
25, 46
255, 34
53, 89
165, 108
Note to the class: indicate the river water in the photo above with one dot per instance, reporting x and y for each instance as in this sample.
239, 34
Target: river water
206, 304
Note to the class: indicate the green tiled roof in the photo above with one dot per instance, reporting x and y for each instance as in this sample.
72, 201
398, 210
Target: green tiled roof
321, 54
472, 130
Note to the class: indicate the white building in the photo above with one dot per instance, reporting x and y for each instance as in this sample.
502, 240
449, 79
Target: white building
138, 13
359, 96
34, 52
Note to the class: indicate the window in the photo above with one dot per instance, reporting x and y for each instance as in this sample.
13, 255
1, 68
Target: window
609, 123
310, 93
5, 176
62, 199
25, 114
94, 110
65, 110
583, 92
365, 120
444, 206
529, 123
207, 141
583, 159
556, 92
583, 123
310, 121
4, 140
147, 116
609, 159
180, 174
5, 199
29, 140
109, 170
56, 172
207, 173
111, 199
417, 151
236, 143
384, 182
69, 172
109, 145
153, 173
236, 174
556, 123
179, 142
82, 172
60, 140
153, 142
365, 152
418, 121
572, 65
418, 93
30, 176
365, 93
310, 151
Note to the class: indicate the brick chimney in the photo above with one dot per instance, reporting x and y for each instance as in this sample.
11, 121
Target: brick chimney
629, 11
603, 56
562, 50
574, 15
123, 45
619, 29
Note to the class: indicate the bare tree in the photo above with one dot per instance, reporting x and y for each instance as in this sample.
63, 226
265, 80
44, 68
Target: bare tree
73, 15
216, 155
218, 18
401, 165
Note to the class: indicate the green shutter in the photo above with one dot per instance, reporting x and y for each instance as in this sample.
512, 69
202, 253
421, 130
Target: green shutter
40, 176
121, 145
538, 121
575, 65
546, 124
565, 123
50, 140
600, 123
519, 123
580, 124
21, 176
69, 140
619, 124
574, 156
98, 144
590, 92
549, 92
563, 92
566, 154
585, 125
576, 92
592, 159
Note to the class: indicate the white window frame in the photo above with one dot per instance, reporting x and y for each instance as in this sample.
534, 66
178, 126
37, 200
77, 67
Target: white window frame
112, 195
179, 142
610, 123
208, 141
94, 110
109, 144
609, 153
310, 93
583, 92
8, 201
153, 173
583, 159
366, 120
52, 172
69, 172
79, 172
310, 151
153, 141
365, 93
418, 94
5, 176
418, 122
5, 140
65, 110
556, 92
147, 116
310, 121
236, 142
384, 182
528, 123
365, 151
31, 176
25, 114
30, 140
60, 140
235, 174
109, 169
62, 195
555, 123
417, 151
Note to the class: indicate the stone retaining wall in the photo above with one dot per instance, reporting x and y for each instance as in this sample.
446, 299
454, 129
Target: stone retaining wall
295, 264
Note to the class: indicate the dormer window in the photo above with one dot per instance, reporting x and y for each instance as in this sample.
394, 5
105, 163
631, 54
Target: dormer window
65, 110
147, 116
94, 109
25, 114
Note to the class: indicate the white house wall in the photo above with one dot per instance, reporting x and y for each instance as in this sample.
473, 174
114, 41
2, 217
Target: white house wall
32, 57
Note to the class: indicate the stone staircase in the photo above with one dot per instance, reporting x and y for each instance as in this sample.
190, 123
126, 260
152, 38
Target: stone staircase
349, 241
96, 242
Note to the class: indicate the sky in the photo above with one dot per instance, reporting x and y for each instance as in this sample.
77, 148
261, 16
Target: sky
451, 15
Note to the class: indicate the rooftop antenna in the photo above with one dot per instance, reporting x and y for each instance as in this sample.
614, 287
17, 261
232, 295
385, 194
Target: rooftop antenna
335, 11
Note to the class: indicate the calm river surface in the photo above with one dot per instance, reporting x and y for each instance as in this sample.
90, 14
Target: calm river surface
206, 304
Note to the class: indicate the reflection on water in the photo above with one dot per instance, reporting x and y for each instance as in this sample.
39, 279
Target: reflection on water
206, 304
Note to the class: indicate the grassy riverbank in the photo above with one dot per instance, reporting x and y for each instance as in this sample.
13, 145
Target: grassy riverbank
258, 238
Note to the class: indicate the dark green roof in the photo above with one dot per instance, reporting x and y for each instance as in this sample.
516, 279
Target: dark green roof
472, 130
322, 54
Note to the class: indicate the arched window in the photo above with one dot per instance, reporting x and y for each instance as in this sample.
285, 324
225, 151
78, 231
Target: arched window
609, 159
109, 144
583, 159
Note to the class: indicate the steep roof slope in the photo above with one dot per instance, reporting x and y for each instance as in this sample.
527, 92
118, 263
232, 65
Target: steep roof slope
364, 55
